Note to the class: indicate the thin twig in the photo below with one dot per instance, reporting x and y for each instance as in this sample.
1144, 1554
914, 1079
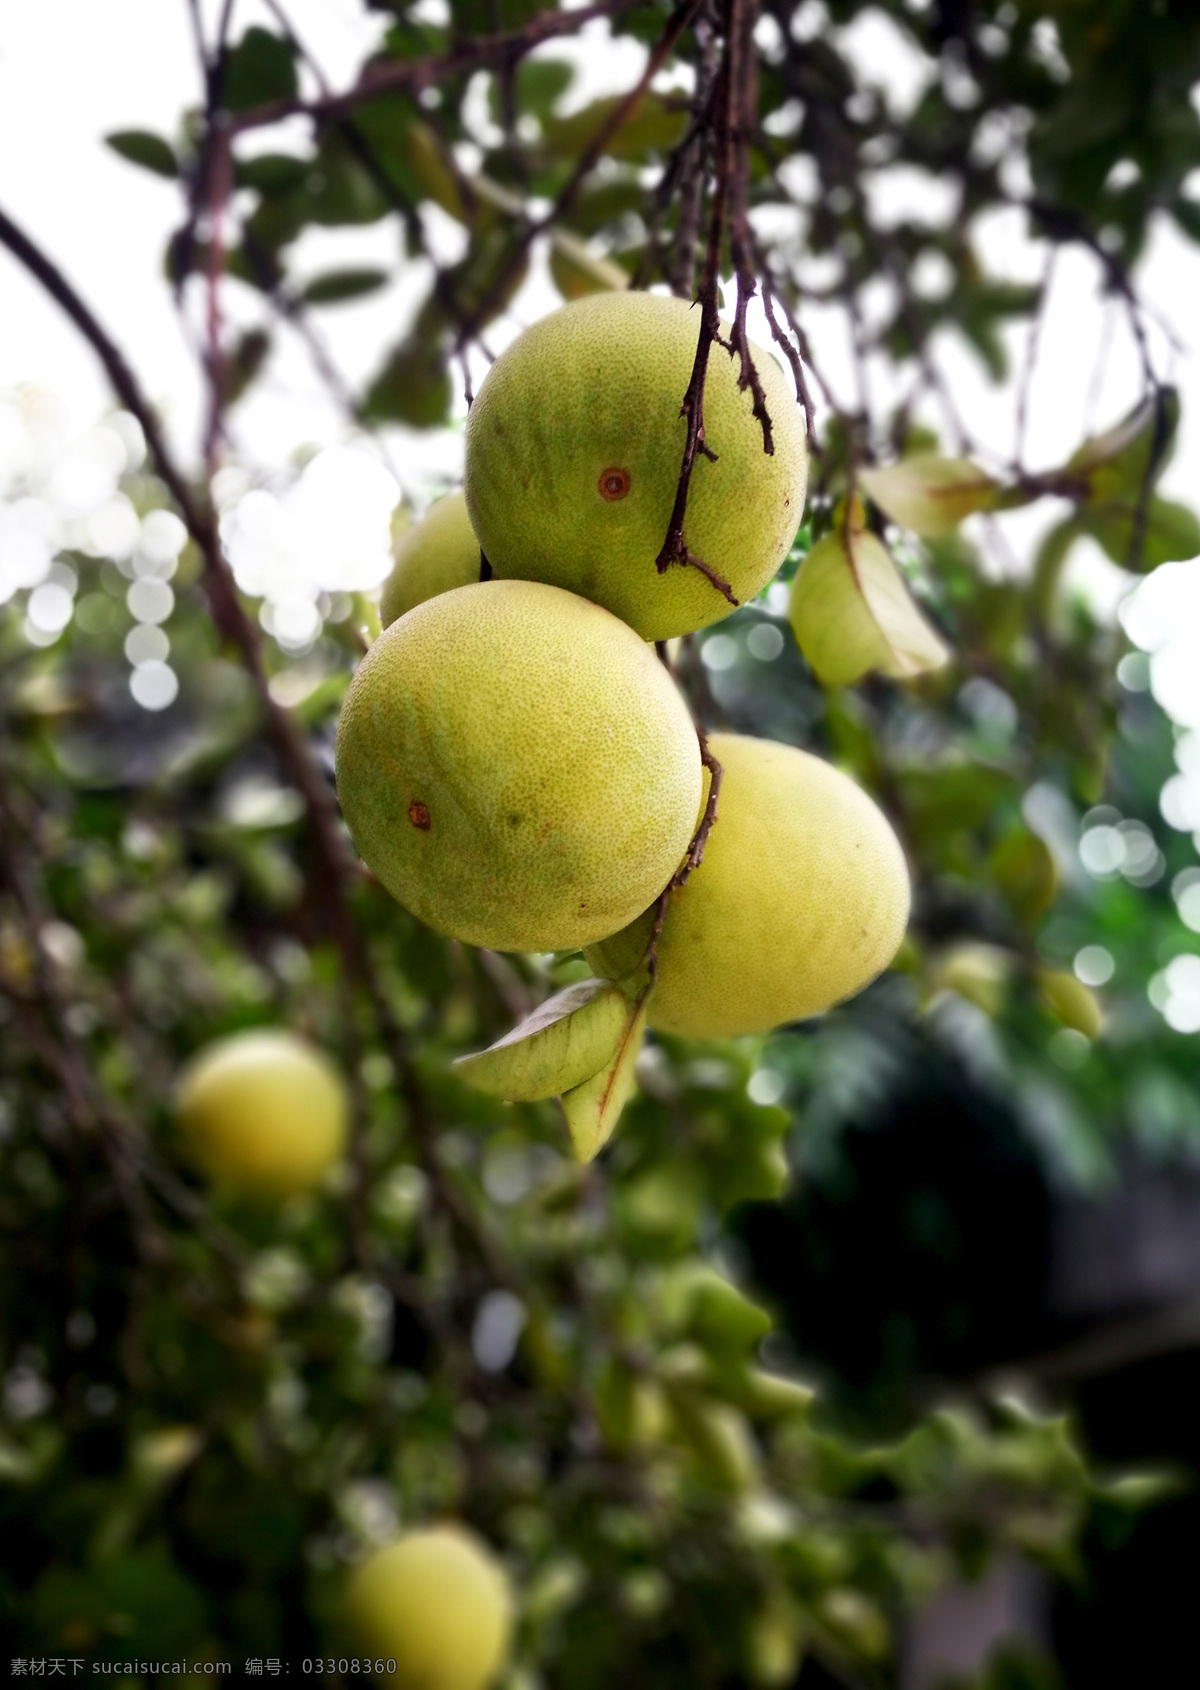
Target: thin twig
478, 52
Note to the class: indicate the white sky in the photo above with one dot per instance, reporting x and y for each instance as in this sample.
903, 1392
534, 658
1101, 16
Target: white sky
71, 70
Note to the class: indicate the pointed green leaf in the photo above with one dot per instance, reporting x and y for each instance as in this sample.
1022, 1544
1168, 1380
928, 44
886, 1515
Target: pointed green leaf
333, 286
565, 1041
139, 146
1070, 1001
929, 494
594, 1108
261, 67
1119, 460
852, 612
1163, 533
576, 270
980, 973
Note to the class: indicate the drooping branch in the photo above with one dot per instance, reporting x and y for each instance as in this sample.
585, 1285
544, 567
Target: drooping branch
393, 76
338, 867
585, 164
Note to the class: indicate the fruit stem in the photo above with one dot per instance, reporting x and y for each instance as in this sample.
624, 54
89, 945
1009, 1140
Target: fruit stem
695, 854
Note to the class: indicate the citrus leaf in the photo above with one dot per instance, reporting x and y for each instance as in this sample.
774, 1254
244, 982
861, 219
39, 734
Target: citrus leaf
1070, 1001
1119, 460
928, 494
261, 67
564, 1042
852, 612
413, 386
139, 146
594, 1108
1164, 533
577, 271
980, 973
1024, 869
336, 285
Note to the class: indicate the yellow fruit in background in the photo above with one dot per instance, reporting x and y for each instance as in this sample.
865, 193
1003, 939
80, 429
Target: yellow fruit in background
436, 553
436, 1602
574, 445
801, 900
517, 767
262, 1112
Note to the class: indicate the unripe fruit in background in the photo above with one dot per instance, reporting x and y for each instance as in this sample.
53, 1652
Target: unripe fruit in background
574, 445
436, 553
517, 767
262, 1113
801, 900
437, 1602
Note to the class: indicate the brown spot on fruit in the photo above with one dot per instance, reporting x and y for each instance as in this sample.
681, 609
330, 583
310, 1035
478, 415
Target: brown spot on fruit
418, 815
614, 482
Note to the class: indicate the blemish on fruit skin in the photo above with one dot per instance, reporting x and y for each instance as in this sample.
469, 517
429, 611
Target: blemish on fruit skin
614, 482
514, 821
418, 815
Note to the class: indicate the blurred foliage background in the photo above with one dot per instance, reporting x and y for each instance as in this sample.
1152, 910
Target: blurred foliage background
804, 1349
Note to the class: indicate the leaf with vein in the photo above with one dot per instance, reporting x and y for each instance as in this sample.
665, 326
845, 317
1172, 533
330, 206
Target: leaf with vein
852, 612
564, 1042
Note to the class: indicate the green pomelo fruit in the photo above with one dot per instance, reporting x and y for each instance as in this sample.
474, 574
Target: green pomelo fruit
437, 1602
517, 767
800, 901
436, 553
262, 1113
574, 445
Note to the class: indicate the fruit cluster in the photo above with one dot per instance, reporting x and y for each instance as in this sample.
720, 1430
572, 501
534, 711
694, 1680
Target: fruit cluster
519, 769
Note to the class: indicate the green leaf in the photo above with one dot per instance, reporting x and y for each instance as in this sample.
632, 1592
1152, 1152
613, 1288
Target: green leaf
1070, 1001
540, 83
141, 147
272, 173
1118, 462
852, 612
978, 972
1164, 533
1024, 869
929, 494
566, 1040
245, 361
576, 271
260, 68
653, 127
334, 286
594, 1108
413, 387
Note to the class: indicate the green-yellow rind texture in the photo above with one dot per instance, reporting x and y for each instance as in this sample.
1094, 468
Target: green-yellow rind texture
597, 387
517, 767
436, 553
801, 900
262, 1112
437, 1602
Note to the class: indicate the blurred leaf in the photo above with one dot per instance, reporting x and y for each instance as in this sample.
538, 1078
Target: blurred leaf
565, 1041
594, 1108
413, 387
142, 147
852, 612
928, 494
244, 362
654, 127
980, 973
1071, 1001
261, 67
1164, 533
576, 271
1119, 461
334, 286
1024, 869
271, 173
